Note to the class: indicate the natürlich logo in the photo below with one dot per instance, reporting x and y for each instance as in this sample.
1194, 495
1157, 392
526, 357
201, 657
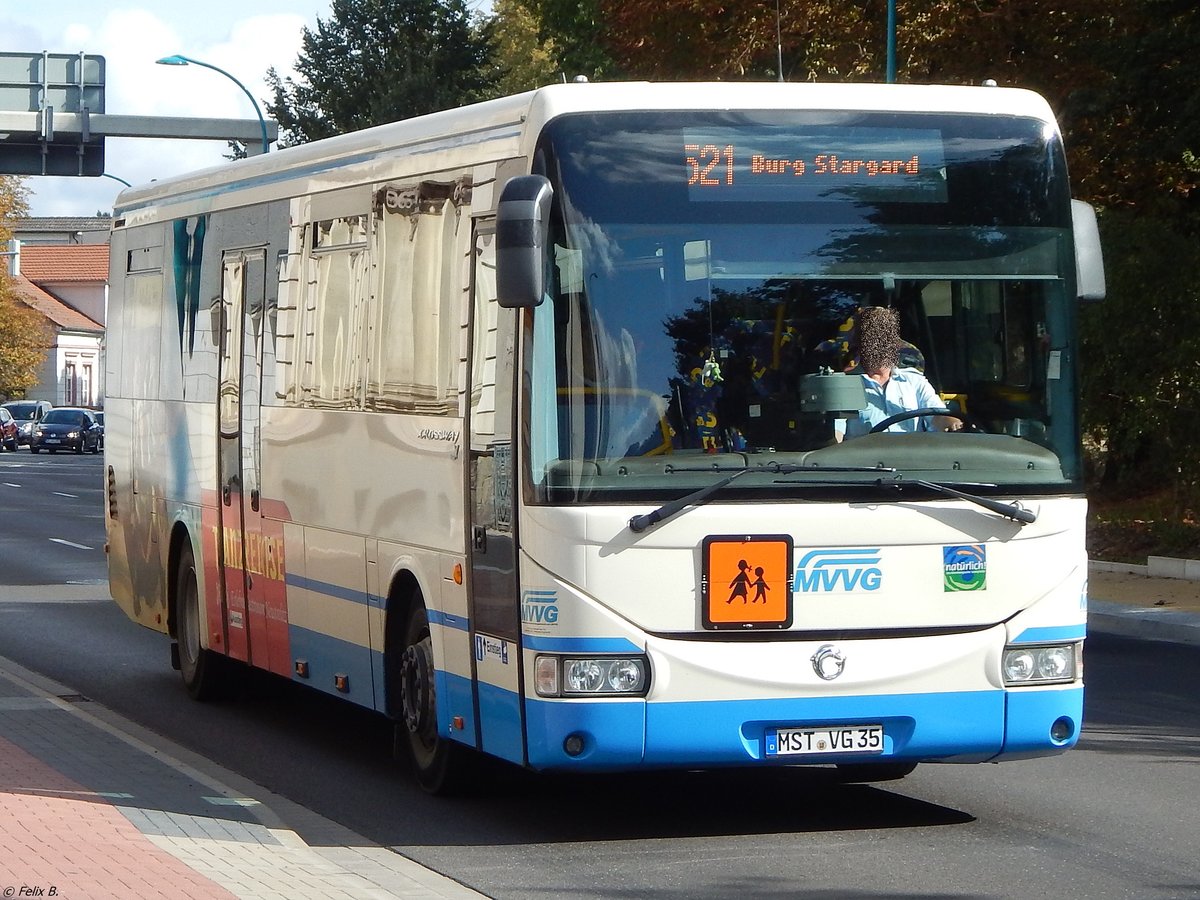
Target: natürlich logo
965, 567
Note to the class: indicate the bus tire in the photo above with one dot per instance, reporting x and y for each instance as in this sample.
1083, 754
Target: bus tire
858, 773
201, 669
439, 765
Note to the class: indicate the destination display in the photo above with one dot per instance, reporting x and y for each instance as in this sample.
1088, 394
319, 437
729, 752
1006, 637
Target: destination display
898, 165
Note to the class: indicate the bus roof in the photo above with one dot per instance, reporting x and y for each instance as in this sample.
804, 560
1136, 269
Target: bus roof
513, 123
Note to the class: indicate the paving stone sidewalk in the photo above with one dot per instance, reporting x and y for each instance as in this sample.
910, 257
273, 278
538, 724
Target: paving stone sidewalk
92, 807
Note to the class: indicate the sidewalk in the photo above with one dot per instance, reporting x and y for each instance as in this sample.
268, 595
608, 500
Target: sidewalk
94, 807
1158, 601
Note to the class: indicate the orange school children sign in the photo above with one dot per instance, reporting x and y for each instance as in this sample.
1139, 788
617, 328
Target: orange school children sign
746, 582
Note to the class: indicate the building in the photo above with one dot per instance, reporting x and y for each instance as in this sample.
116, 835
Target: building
62, 229
66, 282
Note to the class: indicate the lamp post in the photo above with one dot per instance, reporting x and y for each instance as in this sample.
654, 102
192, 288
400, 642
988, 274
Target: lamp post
181, 60
891, 42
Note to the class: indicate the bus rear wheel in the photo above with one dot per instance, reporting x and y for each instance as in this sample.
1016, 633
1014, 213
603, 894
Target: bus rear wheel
200, 668
440, 766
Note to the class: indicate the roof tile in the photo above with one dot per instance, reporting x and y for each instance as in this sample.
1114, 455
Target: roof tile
52, 308
65, 263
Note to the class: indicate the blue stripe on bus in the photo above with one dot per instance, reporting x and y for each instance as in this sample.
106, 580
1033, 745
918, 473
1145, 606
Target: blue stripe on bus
330, 590
500, 717
974, 726
329, 656
447, 620
1032, 713
580, 645
1051, 633
455, 698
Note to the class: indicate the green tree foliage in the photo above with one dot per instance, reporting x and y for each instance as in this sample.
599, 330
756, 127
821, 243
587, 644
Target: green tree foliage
23, 340
525, 59
23, 343
1140, 351
376, 61
578, 30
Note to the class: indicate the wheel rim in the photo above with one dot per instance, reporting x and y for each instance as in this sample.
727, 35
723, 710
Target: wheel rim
418, 700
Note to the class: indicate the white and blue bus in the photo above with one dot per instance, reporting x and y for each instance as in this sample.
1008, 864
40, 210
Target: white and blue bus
518, 423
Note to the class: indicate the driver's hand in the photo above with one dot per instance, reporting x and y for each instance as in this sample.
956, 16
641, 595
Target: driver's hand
947, 423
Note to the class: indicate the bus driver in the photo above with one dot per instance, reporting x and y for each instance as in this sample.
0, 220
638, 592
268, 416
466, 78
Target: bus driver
890, 388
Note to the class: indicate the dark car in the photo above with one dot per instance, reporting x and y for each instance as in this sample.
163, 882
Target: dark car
67, 428
8, 430
100, 418
27, 413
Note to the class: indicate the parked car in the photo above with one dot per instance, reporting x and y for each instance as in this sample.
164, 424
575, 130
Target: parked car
27, 413
67, 428
100, 418
8, 430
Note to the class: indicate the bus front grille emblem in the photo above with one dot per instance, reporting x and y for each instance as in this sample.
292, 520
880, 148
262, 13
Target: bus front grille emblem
828, 662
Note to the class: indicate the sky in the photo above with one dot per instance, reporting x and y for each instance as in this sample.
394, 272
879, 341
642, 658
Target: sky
243, 37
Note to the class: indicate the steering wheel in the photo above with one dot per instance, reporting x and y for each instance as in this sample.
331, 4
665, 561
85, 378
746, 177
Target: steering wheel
887, 423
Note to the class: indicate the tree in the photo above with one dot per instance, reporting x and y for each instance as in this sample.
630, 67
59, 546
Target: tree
376, 61
1140, 352
578, 30
525, 59
23, 339
23, 343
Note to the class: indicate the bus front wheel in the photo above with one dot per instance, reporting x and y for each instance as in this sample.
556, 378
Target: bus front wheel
440, 766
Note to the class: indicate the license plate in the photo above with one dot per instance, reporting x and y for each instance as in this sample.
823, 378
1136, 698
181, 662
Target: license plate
53, 441
862, 739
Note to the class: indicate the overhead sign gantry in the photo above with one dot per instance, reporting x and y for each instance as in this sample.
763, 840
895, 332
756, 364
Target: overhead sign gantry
53, 121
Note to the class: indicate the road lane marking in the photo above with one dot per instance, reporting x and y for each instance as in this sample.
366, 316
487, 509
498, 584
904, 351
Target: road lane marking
72, 544
61, 494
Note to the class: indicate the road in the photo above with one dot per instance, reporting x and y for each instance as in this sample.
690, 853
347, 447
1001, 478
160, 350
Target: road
1114, 818
53, 518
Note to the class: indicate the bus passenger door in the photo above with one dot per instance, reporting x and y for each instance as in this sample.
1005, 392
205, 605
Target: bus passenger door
240, 550
494, 608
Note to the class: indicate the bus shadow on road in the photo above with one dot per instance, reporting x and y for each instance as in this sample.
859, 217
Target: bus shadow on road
701, 803
509, 805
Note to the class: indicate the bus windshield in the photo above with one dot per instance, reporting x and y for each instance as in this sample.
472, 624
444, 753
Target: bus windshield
706, 277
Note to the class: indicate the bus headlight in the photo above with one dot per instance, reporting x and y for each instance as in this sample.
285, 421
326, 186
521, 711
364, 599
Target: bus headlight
1048, 664
560, 676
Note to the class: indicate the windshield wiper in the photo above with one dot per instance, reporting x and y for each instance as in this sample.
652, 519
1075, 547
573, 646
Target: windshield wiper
640, 523
1008, 510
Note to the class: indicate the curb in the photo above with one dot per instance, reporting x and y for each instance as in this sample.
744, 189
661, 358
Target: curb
1148, 623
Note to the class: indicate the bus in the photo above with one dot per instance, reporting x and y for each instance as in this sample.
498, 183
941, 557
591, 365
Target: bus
518, 424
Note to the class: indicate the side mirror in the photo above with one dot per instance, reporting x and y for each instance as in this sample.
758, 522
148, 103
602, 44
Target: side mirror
522, 232
1089, 260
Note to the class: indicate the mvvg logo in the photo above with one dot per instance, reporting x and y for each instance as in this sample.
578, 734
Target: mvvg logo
839, 571
539, 608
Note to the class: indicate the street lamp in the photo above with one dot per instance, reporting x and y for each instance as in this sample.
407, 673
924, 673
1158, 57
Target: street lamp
180, 60
891, 42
